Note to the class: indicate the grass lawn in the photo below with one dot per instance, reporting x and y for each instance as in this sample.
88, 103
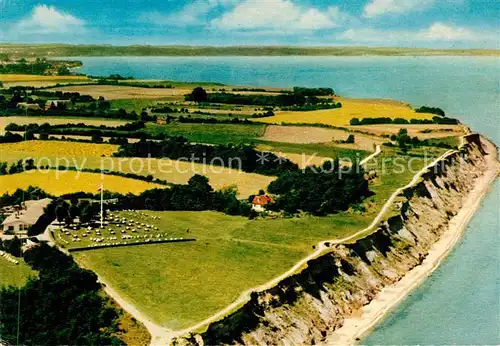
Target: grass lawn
15, 275
133, 104
181, 284
210, 133
63, 182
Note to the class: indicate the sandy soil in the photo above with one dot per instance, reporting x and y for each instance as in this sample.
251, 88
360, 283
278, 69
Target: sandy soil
304, 135
392, 295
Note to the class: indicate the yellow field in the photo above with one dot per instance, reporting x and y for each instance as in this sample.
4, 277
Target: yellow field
24, 120
351, 108
38, 81
54, 148
63, 182
89, 155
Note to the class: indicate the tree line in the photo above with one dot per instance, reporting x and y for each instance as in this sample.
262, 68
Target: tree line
401, 121
244, 157
301, 98
63, 304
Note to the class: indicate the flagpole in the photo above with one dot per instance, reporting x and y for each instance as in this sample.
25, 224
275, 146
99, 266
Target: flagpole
102, 202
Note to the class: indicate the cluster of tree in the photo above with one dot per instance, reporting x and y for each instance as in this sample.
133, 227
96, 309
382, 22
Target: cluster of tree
167, 109
263, 115
282, 100
242, 157
39, 66
41, 92
10, 137
48, 128
19, 167
19, 195
13, 246
250, 89
320, 190
404, 142
313, 91
313, 107
99, 108
402, 121
119, 133
63, 304
431, 110
196, 195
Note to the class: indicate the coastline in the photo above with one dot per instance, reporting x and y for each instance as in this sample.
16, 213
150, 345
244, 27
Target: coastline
354, 328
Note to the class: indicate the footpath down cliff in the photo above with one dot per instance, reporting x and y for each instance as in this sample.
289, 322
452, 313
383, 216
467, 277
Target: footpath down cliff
308, 306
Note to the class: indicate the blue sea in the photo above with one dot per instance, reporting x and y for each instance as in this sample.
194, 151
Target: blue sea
460, 302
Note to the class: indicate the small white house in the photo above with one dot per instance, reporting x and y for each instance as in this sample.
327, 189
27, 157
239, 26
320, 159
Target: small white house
24, 216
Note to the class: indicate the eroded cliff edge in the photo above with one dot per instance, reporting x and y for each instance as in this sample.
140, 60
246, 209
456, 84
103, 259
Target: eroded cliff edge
307, 306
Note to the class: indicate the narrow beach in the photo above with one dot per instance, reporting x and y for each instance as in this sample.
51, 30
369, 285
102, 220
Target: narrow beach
370, 315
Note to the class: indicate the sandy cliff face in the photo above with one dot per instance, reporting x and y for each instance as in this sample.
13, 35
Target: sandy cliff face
304, 308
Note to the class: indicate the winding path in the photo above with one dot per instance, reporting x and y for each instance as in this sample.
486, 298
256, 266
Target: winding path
163, 336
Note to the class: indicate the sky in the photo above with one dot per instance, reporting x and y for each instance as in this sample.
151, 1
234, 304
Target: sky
403, 23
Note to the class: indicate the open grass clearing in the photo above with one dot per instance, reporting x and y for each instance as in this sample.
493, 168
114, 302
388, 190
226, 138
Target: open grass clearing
59, 120
63, 182
14, 274
210, 133
351, 108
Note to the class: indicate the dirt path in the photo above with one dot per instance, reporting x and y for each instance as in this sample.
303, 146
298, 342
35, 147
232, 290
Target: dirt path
163, 336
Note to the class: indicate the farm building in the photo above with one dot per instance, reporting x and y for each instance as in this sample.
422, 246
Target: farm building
23, 217
259, 202
25, 105
58, 103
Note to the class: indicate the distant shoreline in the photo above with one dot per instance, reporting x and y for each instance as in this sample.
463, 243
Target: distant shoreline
66, 50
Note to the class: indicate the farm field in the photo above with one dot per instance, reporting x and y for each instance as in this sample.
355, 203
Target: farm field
38, 81
90, 155
14, 275
422, 131
24, 120
114, 92
63, 182
210, 133
351, 108
311, 134
37, 148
